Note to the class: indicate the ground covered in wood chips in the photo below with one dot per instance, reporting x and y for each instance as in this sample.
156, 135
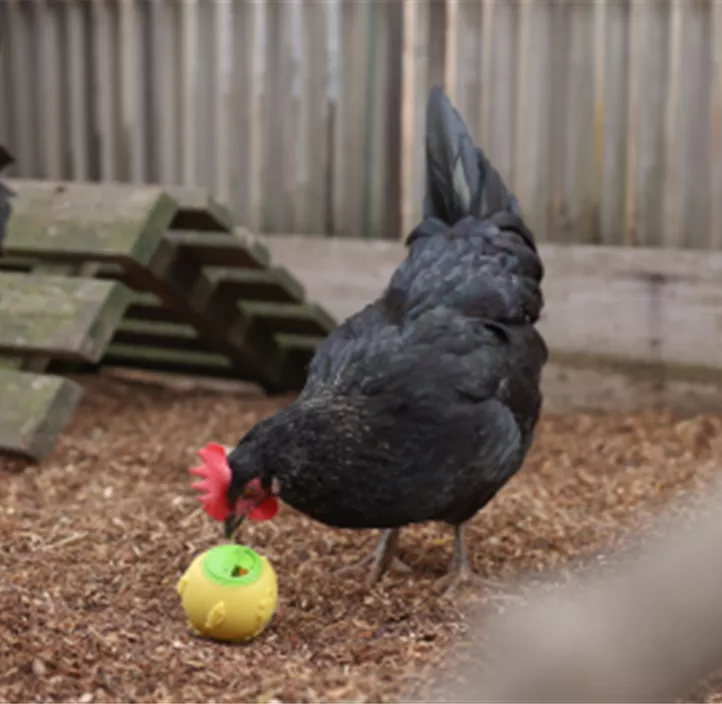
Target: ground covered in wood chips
95, 538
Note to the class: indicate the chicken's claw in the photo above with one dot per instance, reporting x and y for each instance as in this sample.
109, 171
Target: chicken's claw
383, 559
460, 574
458, 580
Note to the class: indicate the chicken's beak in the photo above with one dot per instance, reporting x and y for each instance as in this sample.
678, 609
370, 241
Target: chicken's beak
231, 525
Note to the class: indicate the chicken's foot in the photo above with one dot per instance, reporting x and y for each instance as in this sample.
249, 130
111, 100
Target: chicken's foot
460, 574
381, 560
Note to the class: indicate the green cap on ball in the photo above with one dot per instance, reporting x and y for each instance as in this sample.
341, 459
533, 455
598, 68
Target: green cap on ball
232, 565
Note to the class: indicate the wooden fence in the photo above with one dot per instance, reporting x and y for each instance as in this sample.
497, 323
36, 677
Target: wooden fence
307, 115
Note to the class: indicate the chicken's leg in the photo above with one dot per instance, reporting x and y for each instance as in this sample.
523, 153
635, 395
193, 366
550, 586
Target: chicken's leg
460, 573
383, 558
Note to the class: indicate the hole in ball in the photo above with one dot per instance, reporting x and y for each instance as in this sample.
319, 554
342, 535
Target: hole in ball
239, 571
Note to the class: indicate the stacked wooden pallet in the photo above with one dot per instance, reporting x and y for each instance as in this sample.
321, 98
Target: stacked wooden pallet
137, 276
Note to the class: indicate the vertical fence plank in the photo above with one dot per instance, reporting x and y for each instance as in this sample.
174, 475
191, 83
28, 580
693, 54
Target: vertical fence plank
350, 117
424, 77
23, 112
486, 31
534, 114
307, 97
206, 94
635, 38
500, 146
715, 191
670, 203
280, 120
600, 112
132, 130
5, 78
580, 126
616, 76
49, 67
104, 85
452, 49
222, 128
470, 60
653, 68
695, 149
249, 111
559, 89
521, 126
378, 166
415, 86
189, 90
164, 61
314, 143
78, 90
273, 192
392, 120
292, 124
408, 107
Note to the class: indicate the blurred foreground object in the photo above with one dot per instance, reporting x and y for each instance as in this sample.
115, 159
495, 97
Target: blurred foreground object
649, 632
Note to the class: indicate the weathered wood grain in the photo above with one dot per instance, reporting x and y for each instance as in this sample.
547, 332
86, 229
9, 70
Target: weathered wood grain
650, 306
198, 210
34, 411
59, 221
221, 249
69, 318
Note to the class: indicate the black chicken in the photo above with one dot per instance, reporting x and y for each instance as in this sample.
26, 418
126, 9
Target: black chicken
421, 406
5, 194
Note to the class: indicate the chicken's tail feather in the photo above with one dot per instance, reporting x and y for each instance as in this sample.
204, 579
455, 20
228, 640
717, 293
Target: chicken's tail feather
5, 194
460, 180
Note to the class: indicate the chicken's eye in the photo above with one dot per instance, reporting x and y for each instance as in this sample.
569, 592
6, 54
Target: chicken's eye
249, 493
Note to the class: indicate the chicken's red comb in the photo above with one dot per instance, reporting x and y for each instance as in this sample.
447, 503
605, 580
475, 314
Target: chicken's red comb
215, 479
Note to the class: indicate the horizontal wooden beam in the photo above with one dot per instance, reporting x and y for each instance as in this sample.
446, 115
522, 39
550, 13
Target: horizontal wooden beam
220, 249
648, 306
59, 316
275, 318
274, 284
292, 318
159, 340
198, 210
75, 222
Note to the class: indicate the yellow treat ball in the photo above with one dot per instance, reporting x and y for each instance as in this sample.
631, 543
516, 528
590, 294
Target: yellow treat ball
229, 593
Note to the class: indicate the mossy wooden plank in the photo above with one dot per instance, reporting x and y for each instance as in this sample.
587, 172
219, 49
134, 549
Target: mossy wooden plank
58, 316
161, 334
275, 284
220, 249
198, 210
252, 242
171, 360
292, 318
83, 221
147, 306
178, 279
159, 342
34, 411
16, 263
280, 319
34, 363
40, 362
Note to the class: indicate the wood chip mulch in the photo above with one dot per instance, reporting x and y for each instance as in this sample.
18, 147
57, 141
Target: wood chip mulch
95, 538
